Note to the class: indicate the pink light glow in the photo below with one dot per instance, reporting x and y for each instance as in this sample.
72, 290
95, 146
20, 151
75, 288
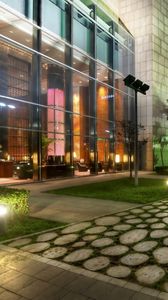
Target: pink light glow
56, 122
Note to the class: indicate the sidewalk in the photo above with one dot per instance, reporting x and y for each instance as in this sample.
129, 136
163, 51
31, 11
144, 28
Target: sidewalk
26, 276
71, 209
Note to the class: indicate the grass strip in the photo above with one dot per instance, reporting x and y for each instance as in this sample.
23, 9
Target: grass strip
123, 189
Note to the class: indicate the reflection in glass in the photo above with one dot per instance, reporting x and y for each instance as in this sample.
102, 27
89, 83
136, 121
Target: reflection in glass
55, 16
82, 32
16, 28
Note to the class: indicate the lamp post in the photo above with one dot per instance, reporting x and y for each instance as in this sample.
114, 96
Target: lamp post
138, 86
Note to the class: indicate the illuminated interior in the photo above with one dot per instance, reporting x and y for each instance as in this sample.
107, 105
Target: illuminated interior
59, 108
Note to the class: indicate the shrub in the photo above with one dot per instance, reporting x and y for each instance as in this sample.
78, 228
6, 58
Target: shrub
16, 200
163, 170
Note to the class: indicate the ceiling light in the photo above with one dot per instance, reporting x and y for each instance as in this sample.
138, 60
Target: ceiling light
2, 104
11, 106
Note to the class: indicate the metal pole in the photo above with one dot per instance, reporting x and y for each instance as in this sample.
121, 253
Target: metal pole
136, 142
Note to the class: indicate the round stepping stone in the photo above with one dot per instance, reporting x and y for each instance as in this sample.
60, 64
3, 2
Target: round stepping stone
102, 242
134, 259
96, 229
76, 227
122, 227
154, 210
141, 226
134, 221
20, 242
163, 207
55, 252
145, 215
145, 246
115, 250
137, 211
162, 215
165, 242
165, 220
97, 263
79, 244
122, 214
165, 286
119, 271
133, 236
45, 237
78, 255
66, 239
35, 248
150, 274
160, 233
89, 238
151, 220
147, 207
111, 233
157, 203
158, 226
130, 217
161, 255
111, 220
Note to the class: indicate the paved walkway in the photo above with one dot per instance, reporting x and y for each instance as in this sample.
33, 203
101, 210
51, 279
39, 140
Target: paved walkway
30, 276
71, 209
24, 277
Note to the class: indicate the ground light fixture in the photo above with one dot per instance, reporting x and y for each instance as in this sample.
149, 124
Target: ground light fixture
139, 87
3, 215
3, 210
167, 182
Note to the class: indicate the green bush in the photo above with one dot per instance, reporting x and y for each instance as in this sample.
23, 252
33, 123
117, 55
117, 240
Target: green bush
162, 170
16, 200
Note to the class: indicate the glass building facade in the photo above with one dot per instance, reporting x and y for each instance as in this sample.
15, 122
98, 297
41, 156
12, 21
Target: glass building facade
63, 102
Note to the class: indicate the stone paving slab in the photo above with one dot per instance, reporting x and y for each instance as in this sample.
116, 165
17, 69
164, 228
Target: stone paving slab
63, 280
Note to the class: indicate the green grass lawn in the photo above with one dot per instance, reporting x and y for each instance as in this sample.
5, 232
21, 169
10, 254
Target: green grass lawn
27, 225
120, 190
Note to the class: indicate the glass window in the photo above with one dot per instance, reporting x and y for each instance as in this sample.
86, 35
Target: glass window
104, 74
16, 118
82, 32
81, 94
81, 62
123, 36
16, 73
104, 47
104, 20
52, 83
85, 6
16, 28
53, 95
17, 5
54, 16
53, 48
105, 104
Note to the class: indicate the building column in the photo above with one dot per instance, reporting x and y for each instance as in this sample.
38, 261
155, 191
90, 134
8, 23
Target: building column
36, 93
69, 92
92, 93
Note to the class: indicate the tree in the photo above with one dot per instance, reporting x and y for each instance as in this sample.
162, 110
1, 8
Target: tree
45, 142
128, 128
160, 140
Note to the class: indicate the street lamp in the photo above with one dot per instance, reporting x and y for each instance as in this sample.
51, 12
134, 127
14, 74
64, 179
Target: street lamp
138, 86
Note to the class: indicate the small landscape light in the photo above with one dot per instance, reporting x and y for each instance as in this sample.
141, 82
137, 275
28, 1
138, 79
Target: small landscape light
3, 210
3, 218
167, 182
